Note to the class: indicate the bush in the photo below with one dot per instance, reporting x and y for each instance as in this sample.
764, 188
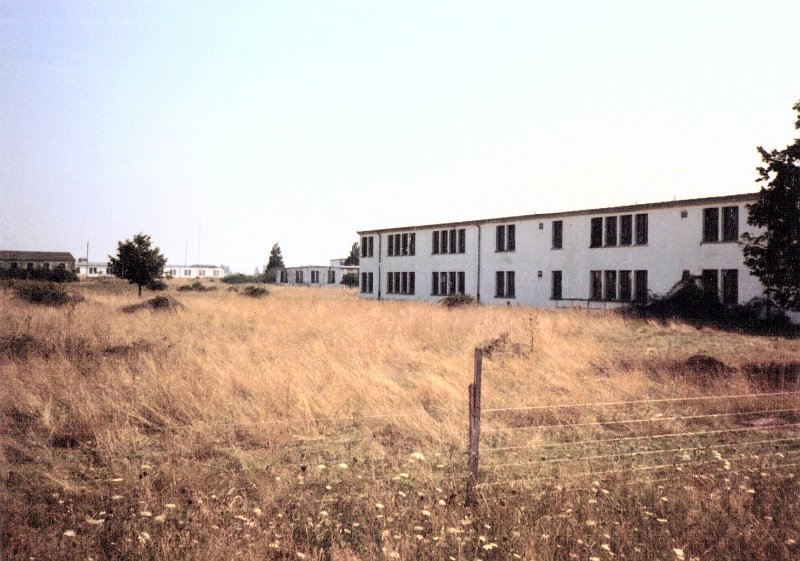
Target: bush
48, 294
349, 279
157, 285
159, 303
50, 275
458, 301
239, 278
196, 286
255, 291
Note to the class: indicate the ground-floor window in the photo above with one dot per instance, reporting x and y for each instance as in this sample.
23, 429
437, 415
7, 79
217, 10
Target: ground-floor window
730, 287
555, 290
331, 277
595, 285
366, 283
448, 282
505, 284
642, 291
401, 283
710, 279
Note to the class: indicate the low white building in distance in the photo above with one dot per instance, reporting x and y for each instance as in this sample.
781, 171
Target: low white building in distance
194, 272
92, 269
317, 275
608, 255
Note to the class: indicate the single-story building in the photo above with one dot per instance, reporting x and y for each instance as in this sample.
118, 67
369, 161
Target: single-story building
32, 260
317, 275
194, 272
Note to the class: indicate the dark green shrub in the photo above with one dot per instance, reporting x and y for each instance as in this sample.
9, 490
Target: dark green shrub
349, 279
239, 278
458, 301
48, 294
255, 291
58, 274
157, 285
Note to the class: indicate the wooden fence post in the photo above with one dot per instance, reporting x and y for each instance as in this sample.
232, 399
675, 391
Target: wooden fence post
474, 428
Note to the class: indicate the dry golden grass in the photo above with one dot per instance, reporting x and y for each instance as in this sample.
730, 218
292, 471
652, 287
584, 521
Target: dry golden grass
309, 424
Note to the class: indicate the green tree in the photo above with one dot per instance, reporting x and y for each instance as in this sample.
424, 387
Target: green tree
774, 255
137, 262
352, 259
274, 264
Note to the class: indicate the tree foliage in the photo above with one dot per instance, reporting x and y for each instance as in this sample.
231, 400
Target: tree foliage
774, 255
274, 264
137, 261
352, 259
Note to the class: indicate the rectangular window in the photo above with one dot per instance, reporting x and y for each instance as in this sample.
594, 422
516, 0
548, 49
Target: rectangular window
315, 277
511, 239
443, 283
611, 230
730, 287
397, 249
625, 286
371, 241
390, 245
461, 282
367, 246
444, 245
730, 223
595, 285
611, 285
397, 283
500, 238
462, 240
597, 233
558, 234
404, 283
641, 229
404, 248
451, 286
331, 277
710, 278
511, 289
435, 242
412, 282
363, 278
555, 288
453, 242
30, 266
412, 243
626, 229
641, 286
389, 283
710, 224
370, 279
435, 284
14, 265
500, 284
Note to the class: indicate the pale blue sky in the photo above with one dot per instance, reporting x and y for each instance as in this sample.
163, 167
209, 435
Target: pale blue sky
302, 122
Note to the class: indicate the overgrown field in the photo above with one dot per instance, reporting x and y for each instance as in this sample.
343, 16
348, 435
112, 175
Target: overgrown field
308, 424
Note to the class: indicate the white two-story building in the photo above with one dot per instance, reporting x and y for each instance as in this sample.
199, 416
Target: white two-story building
609, 255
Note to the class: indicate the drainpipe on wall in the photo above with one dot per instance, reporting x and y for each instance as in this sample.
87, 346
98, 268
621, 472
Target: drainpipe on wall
479, 263
379, 266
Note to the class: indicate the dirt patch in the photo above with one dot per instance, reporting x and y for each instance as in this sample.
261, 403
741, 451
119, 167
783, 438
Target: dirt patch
159, 303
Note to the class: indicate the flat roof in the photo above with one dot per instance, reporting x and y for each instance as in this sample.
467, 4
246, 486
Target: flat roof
607, 210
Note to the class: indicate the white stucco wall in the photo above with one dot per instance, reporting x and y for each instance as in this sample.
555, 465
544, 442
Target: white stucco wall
674, 245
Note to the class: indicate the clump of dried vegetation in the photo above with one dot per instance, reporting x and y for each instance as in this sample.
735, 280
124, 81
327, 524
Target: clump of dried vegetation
313, 425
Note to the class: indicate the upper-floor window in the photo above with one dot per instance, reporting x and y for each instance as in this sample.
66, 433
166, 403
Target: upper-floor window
558, 234
641, 229
626, 229
611, 230
449, 241
710, 224
506, 237
367, 246
730, 224
596, 236
401, 244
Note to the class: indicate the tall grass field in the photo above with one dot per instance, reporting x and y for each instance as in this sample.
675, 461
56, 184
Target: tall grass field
309, 424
